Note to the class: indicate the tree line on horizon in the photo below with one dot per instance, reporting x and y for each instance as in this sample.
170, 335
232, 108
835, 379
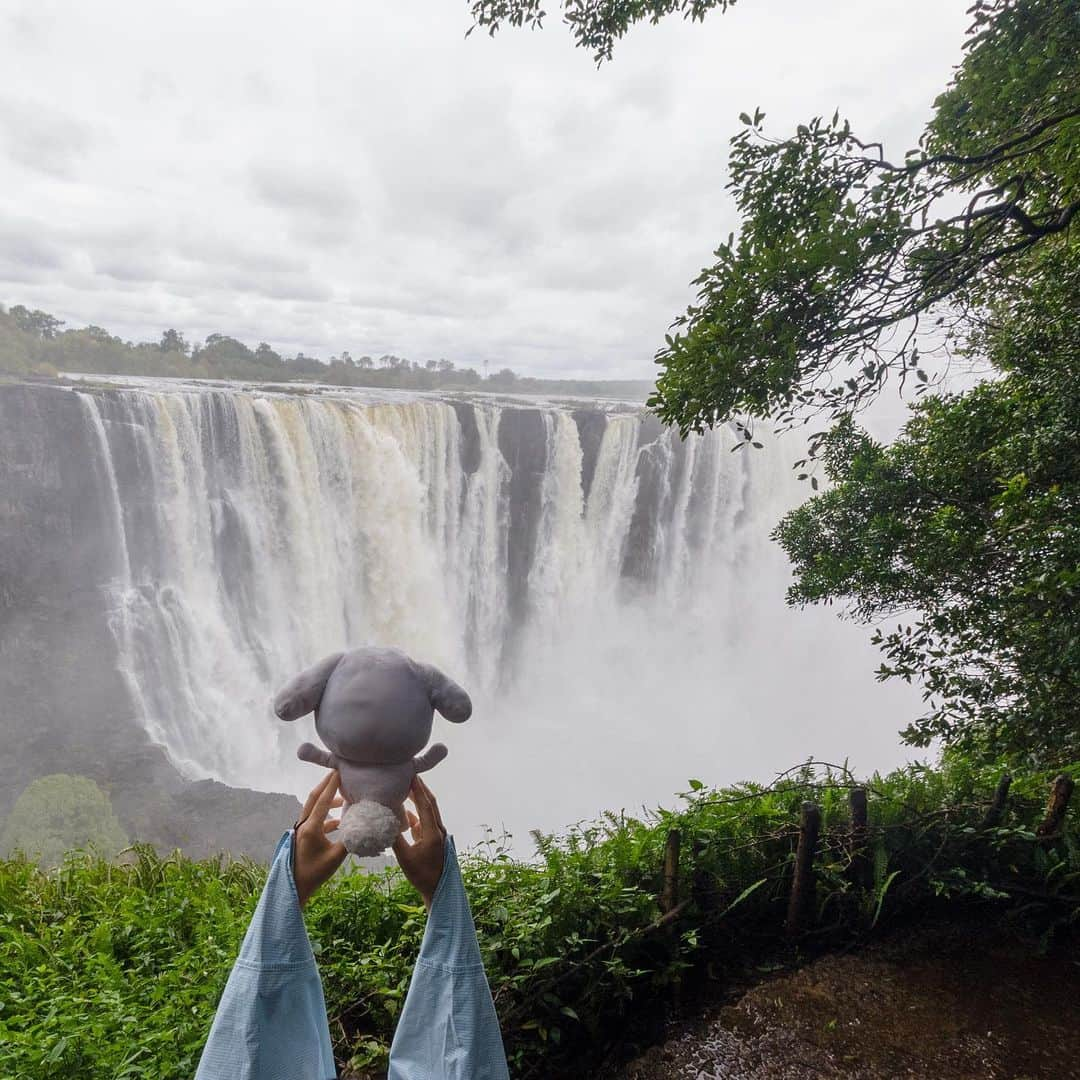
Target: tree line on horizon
34, 342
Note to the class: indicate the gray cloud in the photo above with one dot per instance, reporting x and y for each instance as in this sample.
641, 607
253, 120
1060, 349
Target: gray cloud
370, 180
41, 138
23, 245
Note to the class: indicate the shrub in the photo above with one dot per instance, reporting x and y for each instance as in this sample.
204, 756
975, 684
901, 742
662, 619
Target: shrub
58, 813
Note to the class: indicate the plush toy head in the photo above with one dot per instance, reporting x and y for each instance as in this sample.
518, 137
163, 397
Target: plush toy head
374, 710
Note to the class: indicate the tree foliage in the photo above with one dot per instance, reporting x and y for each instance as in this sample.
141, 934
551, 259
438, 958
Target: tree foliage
58, 813
848, 269
843, 256
967, 529
595, 24
32, 343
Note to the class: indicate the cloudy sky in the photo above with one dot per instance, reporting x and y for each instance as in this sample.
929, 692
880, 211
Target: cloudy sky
354, 174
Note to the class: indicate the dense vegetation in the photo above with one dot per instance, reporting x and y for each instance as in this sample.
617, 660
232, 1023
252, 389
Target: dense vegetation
971, 520
114, 970
35, 343
850, 269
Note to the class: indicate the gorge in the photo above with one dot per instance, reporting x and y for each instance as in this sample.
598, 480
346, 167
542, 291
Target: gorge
173, 551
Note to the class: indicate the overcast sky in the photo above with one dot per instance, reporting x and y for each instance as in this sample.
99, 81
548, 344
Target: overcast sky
353, 174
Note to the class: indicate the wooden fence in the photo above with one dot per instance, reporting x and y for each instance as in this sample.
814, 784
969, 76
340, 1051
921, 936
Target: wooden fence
802, 906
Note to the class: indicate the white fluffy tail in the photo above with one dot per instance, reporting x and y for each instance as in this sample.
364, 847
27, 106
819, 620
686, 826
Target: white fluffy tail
368, 828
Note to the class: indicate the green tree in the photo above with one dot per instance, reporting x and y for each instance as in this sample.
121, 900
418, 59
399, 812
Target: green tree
39, 323
849, 267
173, 341
221, 349
595, 24
266, 356
964, 537
58, 813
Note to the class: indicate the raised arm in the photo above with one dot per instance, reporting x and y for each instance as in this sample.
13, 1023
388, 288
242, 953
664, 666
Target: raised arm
448, 1013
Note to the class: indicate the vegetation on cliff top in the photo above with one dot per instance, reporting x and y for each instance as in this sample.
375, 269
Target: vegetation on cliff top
36, 343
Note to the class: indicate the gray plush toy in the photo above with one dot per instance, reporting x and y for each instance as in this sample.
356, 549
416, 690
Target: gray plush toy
374, 709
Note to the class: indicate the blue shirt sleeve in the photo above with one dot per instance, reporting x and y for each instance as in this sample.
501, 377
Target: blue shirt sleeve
448, 1029
271, 1022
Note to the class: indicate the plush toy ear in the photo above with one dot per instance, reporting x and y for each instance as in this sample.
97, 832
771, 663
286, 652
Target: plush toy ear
300, 695
445, 695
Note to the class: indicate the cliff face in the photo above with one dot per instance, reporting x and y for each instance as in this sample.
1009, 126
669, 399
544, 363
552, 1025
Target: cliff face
64, 706
169, 552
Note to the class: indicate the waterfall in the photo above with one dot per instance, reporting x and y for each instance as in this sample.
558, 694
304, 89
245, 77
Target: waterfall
258, 531
174, 551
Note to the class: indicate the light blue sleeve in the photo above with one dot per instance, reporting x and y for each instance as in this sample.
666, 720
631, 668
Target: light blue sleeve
448, 1029
271, 1022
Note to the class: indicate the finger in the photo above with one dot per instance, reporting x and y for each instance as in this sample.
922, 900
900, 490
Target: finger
330, 824
401, 847
434, 806
326, 797
314, 795
424, 804
414, 821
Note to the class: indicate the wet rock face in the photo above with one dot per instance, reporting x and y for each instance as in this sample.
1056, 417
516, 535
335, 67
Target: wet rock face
591, 425
523, 445
660, 469
470, 449
65, 707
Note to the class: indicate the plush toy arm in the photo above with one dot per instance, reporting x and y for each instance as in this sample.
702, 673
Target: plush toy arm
446, 695
430, 757
309, 752
300, 695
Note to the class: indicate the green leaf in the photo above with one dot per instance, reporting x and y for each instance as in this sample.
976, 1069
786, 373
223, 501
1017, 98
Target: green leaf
748, 891
881, 896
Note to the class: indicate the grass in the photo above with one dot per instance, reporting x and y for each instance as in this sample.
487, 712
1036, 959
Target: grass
114, 970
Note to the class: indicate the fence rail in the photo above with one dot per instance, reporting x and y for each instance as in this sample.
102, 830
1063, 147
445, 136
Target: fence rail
801, 904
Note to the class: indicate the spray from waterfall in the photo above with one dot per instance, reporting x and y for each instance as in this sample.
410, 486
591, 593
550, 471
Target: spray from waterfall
605, 590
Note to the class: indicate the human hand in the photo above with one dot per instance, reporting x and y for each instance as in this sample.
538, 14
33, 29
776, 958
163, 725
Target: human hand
422, 860
315, 856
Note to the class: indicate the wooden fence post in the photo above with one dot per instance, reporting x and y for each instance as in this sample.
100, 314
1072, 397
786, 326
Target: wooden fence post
1060, 793
669, 897
860, 819
802, 901
996, 808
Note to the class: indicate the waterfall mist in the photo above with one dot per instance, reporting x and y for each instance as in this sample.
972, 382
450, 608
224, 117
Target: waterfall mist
606, 592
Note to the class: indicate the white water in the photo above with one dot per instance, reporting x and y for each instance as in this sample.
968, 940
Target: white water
647, 642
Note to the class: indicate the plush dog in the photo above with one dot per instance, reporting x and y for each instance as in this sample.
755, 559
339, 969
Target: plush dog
373, 709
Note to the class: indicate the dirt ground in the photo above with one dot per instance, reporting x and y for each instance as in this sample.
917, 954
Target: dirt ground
942, 1003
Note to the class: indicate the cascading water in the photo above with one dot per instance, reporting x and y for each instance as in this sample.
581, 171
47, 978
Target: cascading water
594, 581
